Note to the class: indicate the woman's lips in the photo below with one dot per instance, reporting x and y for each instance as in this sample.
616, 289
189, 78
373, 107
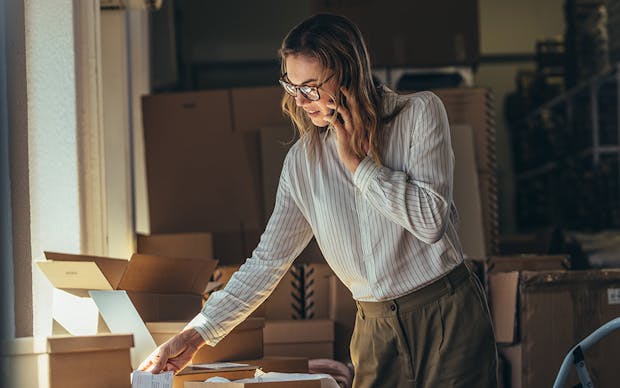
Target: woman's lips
314, 114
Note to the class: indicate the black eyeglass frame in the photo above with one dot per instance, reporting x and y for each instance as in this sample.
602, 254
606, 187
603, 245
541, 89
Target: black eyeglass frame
299, 88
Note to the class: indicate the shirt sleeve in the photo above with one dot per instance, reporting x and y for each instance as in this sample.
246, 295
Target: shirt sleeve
287, 233
418, 199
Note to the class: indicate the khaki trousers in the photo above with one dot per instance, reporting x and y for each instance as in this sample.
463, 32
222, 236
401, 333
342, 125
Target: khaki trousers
438, 336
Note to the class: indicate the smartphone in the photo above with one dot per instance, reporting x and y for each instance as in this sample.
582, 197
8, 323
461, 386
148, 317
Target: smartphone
343, 103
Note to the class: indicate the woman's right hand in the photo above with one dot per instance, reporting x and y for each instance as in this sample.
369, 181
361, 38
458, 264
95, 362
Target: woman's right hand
174, 354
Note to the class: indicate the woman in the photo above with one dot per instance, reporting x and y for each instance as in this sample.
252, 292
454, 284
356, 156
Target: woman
371, 179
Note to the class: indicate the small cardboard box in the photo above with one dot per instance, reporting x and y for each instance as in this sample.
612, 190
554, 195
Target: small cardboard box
268, 384
161, 288
267, 364
100, 361
540, 315
244, 342
312, 338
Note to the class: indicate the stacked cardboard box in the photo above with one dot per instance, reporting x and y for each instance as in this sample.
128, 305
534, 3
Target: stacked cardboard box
539, 315
67, 361
475, 107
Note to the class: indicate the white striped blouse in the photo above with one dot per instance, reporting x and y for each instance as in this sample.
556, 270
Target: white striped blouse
384, 230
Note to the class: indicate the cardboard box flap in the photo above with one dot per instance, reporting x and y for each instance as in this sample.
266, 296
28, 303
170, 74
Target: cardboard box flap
503, 288
86, 272
167, 275
539, 279
65, 344
72, 275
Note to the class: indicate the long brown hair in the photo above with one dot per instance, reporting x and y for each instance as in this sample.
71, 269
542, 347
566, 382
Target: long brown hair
338, 45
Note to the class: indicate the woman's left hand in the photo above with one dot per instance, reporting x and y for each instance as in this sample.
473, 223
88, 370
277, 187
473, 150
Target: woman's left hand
350, 124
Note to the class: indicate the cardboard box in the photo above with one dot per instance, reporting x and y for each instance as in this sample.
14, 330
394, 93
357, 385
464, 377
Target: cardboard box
466, 193
284, 364
312, 338
256, 107
188, 374
161, 288
186, 245
202, 175
342, 310
526, 262
67, 361
545, 313
272, 384
267, 364
244, 342
144, 273
303, 293
396, 31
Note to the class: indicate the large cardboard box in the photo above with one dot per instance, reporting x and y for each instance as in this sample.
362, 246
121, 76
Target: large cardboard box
202, 174
312, 338
303, 293
526, 262
244, 342
545, 313
256, 107
397, 31
100, 361
161, 288
186, 245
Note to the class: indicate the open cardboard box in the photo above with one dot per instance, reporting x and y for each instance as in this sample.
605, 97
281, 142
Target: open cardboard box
269, 384
161, 288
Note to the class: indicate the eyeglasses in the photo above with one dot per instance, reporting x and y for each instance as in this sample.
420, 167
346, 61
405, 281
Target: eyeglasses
309, 92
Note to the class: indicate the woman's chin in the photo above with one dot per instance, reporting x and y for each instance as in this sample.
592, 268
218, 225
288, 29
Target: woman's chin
319, 122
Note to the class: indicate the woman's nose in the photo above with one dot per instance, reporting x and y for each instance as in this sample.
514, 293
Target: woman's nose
300, 100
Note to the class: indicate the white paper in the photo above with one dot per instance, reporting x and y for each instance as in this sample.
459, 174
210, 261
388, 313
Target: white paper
121, 316
140, 379
219, 365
